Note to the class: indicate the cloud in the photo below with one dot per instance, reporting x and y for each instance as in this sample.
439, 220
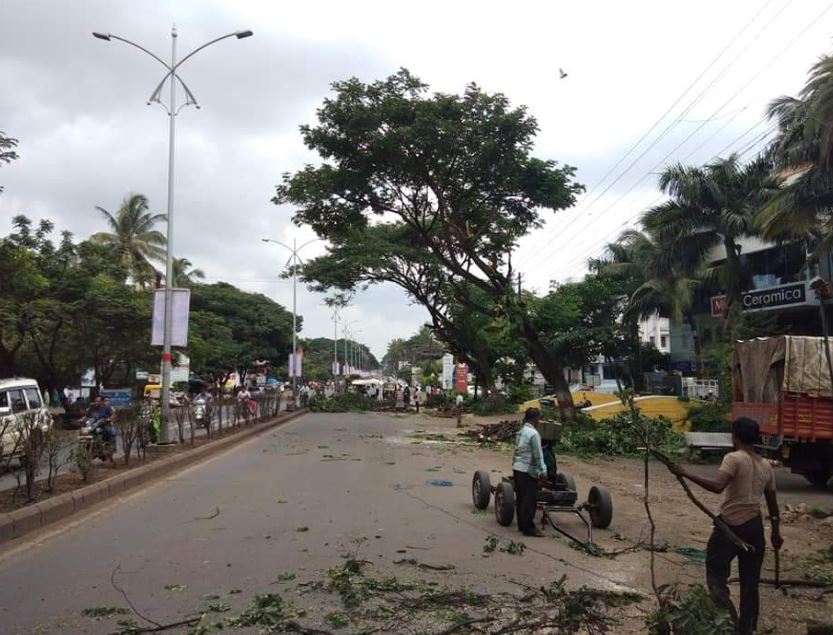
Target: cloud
77, 104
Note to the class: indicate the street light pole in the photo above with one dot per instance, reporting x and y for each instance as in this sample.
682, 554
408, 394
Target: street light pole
293, 261
190, 100
165, 393
335, 341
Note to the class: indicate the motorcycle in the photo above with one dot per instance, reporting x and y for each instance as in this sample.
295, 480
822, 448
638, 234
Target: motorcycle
95, 441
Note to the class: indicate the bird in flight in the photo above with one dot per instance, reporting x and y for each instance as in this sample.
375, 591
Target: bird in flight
561, 73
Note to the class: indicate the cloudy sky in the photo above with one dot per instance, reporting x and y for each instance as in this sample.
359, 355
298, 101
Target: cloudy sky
704, 70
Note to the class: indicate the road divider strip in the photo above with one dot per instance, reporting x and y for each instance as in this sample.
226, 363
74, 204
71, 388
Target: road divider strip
22, 521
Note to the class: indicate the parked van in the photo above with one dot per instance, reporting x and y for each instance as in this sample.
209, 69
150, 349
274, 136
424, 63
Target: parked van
19, 396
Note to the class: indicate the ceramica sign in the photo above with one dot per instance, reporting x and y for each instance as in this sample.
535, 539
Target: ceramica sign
775, 297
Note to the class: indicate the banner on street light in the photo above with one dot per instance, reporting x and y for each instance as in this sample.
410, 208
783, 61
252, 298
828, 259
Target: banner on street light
180, 303
295, 364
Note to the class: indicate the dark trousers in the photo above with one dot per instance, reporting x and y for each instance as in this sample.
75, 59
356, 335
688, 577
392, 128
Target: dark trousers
525, 492
719, 555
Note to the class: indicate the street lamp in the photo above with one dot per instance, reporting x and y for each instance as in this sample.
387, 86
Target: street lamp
190, 100
294, 259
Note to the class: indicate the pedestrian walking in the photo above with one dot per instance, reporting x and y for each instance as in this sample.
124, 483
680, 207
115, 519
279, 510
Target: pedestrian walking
528, 469
743, 478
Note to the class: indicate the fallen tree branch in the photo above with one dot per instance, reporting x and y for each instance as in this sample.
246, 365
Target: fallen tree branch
214, 515
813, 584
463, 624
719, 522
127, 599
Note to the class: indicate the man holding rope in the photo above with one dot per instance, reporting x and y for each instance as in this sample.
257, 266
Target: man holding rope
743, 478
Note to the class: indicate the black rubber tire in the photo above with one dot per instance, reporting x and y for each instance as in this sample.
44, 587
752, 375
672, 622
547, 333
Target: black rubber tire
565, 479
600, 507
481, 489
504, 503
817, 478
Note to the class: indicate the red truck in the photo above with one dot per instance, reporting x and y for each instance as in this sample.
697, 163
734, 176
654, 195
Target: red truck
784, 384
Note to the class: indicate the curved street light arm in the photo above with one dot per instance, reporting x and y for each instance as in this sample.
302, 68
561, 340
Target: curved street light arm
155, 95
190, 96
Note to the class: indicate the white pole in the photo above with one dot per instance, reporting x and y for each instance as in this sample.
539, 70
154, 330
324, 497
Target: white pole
294, 315
165, 396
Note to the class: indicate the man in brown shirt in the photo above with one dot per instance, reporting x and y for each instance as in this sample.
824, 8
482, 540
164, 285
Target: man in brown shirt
743, 478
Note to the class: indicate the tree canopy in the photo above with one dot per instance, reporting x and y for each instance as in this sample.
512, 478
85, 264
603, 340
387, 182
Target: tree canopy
453, 177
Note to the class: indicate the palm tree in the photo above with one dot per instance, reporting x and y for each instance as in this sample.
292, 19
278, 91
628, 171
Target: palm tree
133, 237
661, 277
713, 205
803, 154
183, 274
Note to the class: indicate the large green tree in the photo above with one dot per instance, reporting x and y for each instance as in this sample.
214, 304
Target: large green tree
457, 170
231, 328
133, 237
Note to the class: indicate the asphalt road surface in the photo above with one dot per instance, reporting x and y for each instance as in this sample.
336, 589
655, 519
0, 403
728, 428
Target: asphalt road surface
358, 483
293, 502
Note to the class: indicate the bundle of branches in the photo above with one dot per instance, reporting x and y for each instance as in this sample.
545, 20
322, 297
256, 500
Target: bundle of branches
502, 432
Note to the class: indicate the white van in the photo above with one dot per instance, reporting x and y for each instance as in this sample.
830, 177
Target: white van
17, 397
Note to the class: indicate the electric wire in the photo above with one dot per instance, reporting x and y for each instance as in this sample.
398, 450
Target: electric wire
717, 111
679, 118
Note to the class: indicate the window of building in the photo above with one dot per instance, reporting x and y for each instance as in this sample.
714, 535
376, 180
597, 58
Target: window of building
663, 341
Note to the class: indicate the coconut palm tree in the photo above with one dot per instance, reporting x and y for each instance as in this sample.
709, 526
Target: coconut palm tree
183, 274
660, 277
802, 153
713, 205
133, 237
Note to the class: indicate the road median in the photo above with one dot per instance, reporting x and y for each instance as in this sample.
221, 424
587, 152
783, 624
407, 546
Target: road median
20, 522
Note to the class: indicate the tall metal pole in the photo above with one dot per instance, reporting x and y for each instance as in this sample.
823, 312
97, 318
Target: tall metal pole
335, 342
165, 396
294, 316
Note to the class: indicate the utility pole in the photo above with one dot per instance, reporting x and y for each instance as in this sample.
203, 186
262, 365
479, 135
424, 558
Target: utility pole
335, 341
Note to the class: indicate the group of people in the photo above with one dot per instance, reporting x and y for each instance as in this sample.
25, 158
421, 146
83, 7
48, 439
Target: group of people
744, 478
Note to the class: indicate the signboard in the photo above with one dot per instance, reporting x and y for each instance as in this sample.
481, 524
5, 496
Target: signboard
295, 364
142, 375
774, 297
461, 378
118, 396
180, 302
448, 371
718, 305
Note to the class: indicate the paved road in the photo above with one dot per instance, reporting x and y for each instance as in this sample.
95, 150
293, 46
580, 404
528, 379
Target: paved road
336, 475
295, 499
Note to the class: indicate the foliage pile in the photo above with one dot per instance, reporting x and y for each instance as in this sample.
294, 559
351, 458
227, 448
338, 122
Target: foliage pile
615, 436
488, 433
688, 612
345, 402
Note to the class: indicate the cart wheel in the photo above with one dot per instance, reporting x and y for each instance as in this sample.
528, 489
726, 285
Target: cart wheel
504, 504
481, 489
566, 480
600, 507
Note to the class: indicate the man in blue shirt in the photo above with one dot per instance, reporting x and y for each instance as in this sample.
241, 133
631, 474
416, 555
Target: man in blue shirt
528, 469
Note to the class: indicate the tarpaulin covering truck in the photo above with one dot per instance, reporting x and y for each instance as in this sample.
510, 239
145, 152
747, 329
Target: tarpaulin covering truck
784, 384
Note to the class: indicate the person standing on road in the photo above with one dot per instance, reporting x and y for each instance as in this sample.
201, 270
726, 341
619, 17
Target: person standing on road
743, 478
528, 469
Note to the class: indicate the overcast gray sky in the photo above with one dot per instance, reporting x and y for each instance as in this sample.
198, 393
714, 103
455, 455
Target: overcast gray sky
87, 138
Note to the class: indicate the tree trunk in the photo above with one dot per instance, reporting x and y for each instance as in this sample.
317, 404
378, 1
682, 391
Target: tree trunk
732, 282
695, 339
552, 371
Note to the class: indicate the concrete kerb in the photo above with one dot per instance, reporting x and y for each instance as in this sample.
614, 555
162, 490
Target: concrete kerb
27, 519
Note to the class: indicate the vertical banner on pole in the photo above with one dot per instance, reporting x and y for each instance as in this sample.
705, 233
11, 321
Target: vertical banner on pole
180, 304
295, 364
